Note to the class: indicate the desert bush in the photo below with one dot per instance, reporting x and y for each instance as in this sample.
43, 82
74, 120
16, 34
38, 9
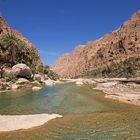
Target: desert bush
50, 73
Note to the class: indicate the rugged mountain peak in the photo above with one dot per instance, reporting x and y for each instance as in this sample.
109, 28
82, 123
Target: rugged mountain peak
116, 46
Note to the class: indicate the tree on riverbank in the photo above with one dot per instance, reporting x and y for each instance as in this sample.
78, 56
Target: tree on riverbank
14, 51
50, 73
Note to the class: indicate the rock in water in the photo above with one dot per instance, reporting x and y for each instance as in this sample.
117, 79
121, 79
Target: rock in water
21, 70
36, 88
79, 83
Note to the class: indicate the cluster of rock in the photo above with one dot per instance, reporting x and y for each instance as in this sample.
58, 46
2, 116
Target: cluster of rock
116, 46
21, 76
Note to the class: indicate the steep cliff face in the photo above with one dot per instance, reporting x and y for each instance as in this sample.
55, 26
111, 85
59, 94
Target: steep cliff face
114, 47
25, 52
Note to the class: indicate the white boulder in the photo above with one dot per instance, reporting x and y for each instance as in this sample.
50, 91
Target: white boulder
36, 88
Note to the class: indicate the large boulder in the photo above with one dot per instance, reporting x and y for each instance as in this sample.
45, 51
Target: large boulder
38, 77
22, 70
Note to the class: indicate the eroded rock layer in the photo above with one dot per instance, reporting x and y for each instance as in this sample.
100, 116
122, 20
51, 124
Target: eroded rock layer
116, 46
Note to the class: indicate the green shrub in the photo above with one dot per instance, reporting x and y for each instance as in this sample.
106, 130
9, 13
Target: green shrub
14, 51
50, 73
127, 68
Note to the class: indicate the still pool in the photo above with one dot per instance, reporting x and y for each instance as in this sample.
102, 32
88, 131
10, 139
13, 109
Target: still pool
87, 115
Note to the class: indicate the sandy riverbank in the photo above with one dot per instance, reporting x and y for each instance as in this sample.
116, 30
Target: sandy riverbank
16, 122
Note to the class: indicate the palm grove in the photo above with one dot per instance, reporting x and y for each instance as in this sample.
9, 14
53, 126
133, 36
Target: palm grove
14, 51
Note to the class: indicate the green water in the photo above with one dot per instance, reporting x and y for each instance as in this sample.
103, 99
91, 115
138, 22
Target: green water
87, 115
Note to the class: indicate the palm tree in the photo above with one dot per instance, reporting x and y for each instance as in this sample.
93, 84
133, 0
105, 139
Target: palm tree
9, 44
13, 51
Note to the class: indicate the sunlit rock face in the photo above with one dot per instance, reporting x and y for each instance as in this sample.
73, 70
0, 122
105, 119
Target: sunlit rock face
116, 46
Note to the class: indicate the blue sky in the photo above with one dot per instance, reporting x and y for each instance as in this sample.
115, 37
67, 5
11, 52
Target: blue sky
57, 26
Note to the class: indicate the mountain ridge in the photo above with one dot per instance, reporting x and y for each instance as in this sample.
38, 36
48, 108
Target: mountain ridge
116, 46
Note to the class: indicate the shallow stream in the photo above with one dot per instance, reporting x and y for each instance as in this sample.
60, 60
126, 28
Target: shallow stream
87, 115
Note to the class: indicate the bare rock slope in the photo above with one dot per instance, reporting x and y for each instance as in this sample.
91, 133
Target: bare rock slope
116, 46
